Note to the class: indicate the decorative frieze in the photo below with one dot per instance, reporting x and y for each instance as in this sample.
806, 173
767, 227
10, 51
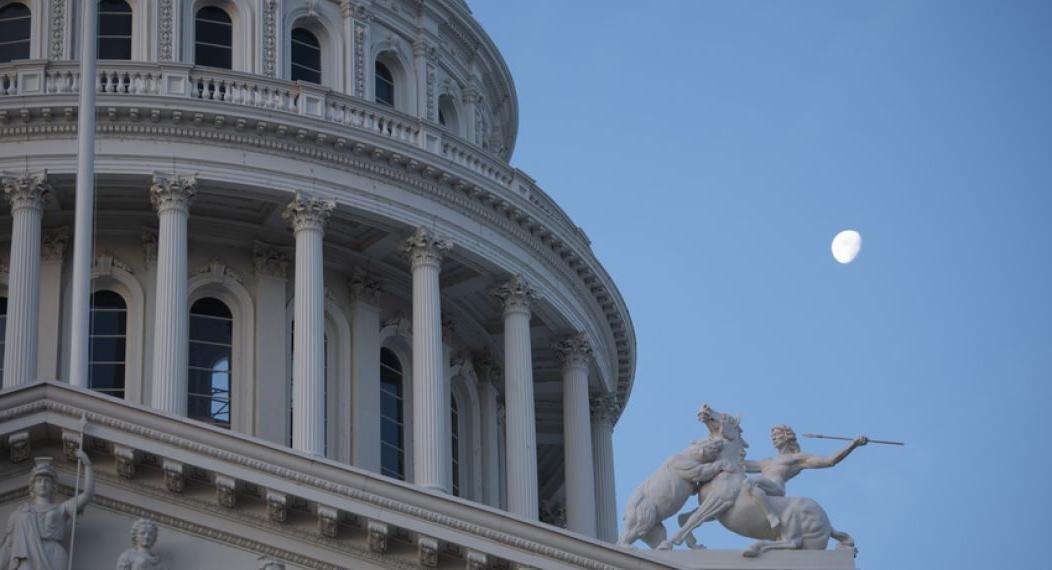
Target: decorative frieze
106, 263
53, 244
29, 190
124, 460
424, 248
364, 288
218, 272
427, 551
277, 506
270, 261
174, 478
516, 295
378, 532
306, 212
18, 444
173, 191
226, 491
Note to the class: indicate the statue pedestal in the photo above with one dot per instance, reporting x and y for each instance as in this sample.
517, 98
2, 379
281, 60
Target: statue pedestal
839, 559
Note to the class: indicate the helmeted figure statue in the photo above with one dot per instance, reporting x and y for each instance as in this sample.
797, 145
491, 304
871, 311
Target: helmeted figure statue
35, 531
141, 556
790, 461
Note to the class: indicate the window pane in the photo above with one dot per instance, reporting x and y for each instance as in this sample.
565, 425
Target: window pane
387, 358
213, 38
211, 329
115, 25
109, 322
107, 349
11, 52
117, 6
107, 300
213, 34
213, 14
15, 29
206, 356
210, 306
107, 376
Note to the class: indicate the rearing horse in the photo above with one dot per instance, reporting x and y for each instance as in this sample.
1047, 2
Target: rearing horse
803, 523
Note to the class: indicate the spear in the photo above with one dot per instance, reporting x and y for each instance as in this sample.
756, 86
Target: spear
820, 436
76, 491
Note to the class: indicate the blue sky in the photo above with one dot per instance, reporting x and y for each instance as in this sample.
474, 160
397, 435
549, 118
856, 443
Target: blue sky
711, 150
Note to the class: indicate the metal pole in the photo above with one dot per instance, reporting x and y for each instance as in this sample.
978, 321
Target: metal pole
85, 200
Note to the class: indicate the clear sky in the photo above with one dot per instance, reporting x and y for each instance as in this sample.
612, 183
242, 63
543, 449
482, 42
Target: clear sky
711, 150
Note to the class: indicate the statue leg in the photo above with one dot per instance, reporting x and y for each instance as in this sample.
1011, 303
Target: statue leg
655, 536
761, 497
843, 538
707, 511
692, 541
792, 539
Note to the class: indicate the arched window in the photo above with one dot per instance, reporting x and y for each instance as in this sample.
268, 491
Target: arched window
454, 428
15, 25
392, 420
306, 56
3, 332
213, 38
447, 114
108, 342
115, 29
385, 87
210, 352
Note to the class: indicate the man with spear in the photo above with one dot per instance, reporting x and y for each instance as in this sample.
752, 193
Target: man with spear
790, 461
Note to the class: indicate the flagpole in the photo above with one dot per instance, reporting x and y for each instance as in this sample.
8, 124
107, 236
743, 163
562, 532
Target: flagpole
85, 199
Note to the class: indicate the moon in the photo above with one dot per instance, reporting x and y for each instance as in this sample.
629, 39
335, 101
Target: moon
846, 246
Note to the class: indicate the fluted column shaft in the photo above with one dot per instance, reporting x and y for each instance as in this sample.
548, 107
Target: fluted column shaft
521, 426
308, 215
576, 355
27, 195
604, 411
431, 440
171, 196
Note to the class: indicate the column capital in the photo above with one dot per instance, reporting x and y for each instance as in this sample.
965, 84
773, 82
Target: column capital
306, 212
424, 48
29, 190
604, 410
53, 244
487, 368
365, 288
574, 351
515, 295
470, 92
425, 248
173, 191
270, 261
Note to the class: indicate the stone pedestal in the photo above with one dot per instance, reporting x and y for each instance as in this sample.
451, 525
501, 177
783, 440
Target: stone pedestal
840, 559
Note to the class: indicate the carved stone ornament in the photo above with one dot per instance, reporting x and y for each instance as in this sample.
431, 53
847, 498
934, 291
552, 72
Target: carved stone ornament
58, 27
515, 295
378, 532
574, 351
149, 246
218, 272
106, 263
174, 479
604, 410
328, 518
124, 459
226, 491
270, 33
475, 560
423, 247
270, 261
277, 506
267, 563
553, 512
173, 191
141, 556
70, 445
486, 367
29, 190
361, 32
427, 551
364, 288
18, 443
449, 327
165, 29
308, 212
53, 244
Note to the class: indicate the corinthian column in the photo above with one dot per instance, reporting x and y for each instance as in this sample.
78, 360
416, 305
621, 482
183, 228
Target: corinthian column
307, 216
604, 414
171, 196
576, 355
27, 194
431, 439
516, 296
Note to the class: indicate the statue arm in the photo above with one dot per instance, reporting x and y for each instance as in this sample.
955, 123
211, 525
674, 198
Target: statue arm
819, 462
88, 489
753, 466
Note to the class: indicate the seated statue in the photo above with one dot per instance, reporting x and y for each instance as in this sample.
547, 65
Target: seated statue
140, 556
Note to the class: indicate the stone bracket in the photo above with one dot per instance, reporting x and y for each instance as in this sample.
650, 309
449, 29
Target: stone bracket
19, 446
125, 459
226, 491
427, 551
378, 532
277, 506
174, 479
328, 518
474, 560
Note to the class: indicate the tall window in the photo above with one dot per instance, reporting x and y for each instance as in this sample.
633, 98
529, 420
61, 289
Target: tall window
15, 24
306, 56
385, 91
115, 29
213, 38
454, 425
211, 347
3, 332
392, 421
108, 343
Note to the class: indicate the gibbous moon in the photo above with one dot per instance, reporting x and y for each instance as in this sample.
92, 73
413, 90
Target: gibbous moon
846, 245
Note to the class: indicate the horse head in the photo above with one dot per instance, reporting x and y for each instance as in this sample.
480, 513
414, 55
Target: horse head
720, 424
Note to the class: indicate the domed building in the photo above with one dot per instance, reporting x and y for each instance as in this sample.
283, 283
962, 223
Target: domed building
329, 324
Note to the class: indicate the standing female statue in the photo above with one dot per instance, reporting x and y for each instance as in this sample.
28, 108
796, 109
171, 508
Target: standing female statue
35, 531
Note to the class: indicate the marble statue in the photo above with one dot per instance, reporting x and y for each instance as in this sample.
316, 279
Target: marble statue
790, 461
665, 492
802, 523
140, 556
35, 531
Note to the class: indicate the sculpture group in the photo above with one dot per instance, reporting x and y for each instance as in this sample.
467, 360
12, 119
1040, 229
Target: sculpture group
716, 470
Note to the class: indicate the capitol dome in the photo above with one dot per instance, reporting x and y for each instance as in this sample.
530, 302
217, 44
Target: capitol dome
311, 249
